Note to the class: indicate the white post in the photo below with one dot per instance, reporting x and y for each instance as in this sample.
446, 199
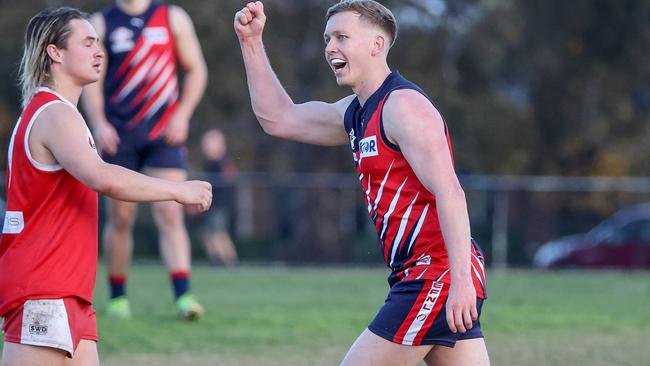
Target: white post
500, 231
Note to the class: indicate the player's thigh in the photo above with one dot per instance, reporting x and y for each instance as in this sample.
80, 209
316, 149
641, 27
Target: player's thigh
468, 352
370, 349
85, 354
15, 354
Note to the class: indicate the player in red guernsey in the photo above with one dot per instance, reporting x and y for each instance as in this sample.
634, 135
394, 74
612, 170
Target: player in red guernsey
401, 148
48, 250
140, 114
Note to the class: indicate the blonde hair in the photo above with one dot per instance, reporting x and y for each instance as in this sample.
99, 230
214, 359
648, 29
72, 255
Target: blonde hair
370, 11
50, 26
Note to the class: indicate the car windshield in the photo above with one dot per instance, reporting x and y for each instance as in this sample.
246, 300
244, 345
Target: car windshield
625, 224
603, 230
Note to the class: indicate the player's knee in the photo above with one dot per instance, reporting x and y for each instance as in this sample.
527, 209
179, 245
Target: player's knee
122, 220
169, 215
121, 215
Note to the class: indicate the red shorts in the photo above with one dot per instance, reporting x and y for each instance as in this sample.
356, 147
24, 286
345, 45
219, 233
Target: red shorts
56, 323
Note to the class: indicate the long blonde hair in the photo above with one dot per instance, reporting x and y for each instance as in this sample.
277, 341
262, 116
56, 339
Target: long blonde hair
50, 26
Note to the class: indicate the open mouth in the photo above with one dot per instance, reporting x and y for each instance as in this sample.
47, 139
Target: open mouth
338, 63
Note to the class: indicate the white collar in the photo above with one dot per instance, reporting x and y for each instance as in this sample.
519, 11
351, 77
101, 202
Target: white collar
52, 91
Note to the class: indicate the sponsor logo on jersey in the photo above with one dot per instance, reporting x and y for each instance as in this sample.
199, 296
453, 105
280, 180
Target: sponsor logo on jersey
14, 222
368, 146
155, 35
137, 22
352, 138
121, 40
424, 261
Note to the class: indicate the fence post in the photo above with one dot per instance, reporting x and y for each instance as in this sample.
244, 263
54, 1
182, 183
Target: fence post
500, 231
244, 211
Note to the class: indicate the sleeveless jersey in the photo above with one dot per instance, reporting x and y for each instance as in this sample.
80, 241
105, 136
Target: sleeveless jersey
402, 209
49, 238
141, 83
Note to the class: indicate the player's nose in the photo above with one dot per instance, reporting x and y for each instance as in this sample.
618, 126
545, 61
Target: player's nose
330, 46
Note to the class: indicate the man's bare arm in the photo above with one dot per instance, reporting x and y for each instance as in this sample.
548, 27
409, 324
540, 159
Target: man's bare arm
191, 60
413, 123
59, 136
312, 122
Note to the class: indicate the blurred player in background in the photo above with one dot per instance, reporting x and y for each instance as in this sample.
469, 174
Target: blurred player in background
401, 148
48, 251
213, 226
141, 121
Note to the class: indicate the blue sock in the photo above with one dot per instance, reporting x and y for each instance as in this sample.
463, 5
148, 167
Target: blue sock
118, 286
181, 283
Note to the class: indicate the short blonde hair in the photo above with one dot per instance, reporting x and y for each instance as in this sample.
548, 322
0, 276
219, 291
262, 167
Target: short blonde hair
370, 11
50, 26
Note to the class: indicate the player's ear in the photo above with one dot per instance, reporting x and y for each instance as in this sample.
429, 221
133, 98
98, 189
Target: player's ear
379, 45
54, 53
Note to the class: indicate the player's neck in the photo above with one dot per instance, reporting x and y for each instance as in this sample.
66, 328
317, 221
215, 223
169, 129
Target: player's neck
133, 7
373, 78
68, 90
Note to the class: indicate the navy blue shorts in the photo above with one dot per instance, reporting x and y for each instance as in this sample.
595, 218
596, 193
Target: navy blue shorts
136, 151
414, 314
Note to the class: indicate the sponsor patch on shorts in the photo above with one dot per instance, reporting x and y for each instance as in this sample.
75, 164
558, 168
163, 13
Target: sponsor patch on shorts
45, 323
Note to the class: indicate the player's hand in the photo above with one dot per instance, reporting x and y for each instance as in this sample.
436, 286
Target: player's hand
197, 193
106, 137
249, 22
461, 306
177, 129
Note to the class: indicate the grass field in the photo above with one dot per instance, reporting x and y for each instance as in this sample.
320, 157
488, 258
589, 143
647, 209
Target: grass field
310, 316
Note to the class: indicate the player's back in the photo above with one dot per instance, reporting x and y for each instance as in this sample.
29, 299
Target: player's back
49, 242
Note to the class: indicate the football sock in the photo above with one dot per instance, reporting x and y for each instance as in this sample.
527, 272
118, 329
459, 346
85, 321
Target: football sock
118, 285
181, 283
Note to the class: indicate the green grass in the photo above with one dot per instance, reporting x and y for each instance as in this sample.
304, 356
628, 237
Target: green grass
310, 316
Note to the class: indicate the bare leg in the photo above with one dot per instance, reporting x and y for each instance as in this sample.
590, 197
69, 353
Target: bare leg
84, 355
14, 354
219, 247
370, 349
118, 237
469, 352
174, 240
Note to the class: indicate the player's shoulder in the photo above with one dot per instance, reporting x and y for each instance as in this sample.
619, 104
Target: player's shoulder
178, 14
61, 111
99, 23
403, 100
408, 96
344, 103
179, 20
407, 108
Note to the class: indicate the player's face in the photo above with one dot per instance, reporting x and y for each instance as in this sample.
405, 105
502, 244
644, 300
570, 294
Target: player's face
82, 57
348, 47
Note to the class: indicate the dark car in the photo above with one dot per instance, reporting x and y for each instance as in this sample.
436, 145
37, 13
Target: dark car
621, 241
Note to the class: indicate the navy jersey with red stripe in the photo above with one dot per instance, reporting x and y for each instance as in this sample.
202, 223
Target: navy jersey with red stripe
402, 209
141, 83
